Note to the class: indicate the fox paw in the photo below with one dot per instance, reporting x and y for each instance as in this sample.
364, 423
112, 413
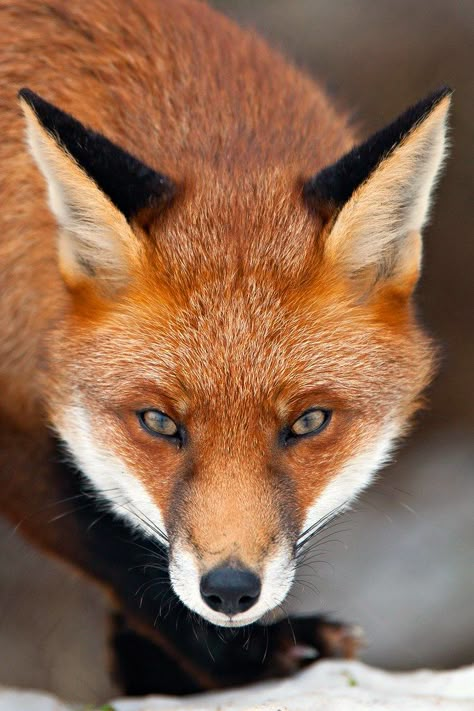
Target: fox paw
298, 641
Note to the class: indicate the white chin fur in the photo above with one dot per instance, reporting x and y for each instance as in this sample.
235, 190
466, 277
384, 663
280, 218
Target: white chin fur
277, 578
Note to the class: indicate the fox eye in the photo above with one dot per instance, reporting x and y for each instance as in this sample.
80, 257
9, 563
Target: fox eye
157, 423
310, 422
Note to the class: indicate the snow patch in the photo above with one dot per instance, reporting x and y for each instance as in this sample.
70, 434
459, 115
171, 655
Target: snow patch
326, 686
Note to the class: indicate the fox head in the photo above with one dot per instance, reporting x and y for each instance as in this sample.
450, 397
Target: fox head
237, 351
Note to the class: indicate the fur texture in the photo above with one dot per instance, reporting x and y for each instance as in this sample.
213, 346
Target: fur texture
235, 306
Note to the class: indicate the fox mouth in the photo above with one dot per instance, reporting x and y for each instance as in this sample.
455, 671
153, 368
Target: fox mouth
235, 622
225, 620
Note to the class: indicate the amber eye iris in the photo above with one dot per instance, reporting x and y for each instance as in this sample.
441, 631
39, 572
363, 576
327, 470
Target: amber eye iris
157, 423
310, 422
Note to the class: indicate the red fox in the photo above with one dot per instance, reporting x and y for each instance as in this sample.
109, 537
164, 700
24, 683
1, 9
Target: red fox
206, 294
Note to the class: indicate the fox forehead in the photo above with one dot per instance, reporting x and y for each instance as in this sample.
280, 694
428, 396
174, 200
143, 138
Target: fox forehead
246, 229
237, 340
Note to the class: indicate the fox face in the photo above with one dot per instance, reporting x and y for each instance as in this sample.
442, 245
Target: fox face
236, 355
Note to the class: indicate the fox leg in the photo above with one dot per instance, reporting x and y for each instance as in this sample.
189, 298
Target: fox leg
233, 657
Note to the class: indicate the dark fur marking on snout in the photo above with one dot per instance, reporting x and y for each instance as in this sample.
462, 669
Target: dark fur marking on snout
287, 503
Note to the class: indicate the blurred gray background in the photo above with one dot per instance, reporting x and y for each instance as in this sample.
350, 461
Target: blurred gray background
401, 564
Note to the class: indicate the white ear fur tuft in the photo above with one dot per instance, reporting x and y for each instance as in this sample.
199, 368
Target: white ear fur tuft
95, 239
379, 224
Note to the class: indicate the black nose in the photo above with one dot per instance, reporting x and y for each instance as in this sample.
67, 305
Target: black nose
230, 590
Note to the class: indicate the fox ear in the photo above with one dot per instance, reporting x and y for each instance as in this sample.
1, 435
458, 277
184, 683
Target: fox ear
380, 193
95, 188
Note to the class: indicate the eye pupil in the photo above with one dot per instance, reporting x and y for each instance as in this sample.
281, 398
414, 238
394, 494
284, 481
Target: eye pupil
157, 422
310, 422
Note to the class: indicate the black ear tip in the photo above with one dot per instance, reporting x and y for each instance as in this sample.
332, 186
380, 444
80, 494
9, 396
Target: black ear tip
338, 182
441, 93
29, 96
25, 93
419, 111
445, 90
41, 107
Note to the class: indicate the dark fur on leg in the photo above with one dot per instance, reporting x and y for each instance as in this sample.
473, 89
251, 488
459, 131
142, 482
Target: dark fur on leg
238, 656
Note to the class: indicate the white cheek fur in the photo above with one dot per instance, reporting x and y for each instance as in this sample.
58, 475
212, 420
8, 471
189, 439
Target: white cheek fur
355, 476
126, 495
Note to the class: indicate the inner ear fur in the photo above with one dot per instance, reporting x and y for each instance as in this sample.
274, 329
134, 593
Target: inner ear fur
380, 194
95, 190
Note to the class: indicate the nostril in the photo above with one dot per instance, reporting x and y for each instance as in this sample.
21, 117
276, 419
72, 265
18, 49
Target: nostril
246, 602
230, 590
213, 600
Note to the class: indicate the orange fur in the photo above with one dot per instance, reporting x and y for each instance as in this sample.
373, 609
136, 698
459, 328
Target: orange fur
234, 319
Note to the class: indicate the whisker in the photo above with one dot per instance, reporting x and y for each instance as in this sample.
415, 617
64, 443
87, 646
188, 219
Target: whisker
158, 553
288, 619
151, 524
266, 645
146, 523
320, 522
330, 530
319, 525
